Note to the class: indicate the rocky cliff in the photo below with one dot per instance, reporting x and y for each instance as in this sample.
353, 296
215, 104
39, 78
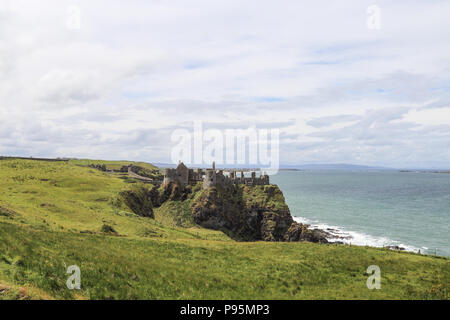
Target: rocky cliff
138, 199
251, 213
245, 213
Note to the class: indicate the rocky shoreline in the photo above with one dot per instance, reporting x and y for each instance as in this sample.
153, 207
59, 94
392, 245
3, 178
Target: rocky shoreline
337, 236
244, 213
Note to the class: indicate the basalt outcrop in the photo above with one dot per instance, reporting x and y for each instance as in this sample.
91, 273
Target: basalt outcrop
301, 232
251, 213
143, 198
245, 213
138, 199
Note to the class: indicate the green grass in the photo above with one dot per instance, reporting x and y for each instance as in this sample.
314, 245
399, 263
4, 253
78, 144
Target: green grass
175, 213
141, 168
113, 165
122, 268
64, 196
53, 215
260, 194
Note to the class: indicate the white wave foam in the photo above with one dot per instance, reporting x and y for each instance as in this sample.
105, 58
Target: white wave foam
355, 238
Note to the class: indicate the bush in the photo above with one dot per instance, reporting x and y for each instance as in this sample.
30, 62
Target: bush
108, 229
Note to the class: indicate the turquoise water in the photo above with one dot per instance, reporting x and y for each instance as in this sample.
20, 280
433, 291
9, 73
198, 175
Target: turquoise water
376, 208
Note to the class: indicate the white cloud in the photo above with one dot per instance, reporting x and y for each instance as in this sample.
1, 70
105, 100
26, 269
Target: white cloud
134, 71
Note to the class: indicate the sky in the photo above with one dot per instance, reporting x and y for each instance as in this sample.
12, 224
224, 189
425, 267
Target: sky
114, 79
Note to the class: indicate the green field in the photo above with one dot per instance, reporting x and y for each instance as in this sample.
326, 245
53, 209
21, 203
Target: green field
57, 214
112, 165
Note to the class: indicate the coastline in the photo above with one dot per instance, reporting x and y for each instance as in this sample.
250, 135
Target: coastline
341, 235
376, 209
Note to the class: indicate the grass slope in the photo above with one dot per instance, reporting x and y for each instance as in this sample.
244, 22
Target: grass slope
113, 165
52, 216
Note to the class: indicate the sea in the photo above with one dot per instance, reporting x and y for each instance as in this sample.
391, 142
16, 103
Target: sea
373, 207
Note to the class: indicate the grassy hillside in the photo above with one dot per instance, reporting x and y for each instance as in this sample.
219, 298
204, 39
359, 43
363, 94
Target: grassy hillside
113, 165
63, 196
52, 215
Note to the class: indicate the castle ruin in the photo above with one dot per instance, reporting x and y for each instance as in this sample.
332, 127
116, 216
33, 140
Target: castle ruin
212, 177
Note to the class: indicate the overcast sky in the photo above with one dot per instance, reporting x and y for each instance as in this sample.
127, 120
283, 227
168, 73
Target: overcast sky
339, 91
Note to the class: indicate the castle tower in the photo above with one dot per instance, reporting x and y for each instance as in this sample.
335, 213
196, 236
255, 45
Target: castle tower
210, 179
182, 173
169, 175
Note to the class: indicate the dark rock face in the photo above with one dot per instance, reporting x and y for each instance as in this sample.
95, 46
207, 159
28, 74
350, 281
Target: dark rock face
173, 191
141, 199
395, 248
170, 191
155, 197
138, 200
300, 232
108, 229
274, 225
218, 209
245, 213
251, 213
100, 167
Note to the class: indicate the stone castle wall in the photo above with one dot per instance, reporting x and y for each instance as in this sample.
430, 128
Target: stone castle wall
211, 177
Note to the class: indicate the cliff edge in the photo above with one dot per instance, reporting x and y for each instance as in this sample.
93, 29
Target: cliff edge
250, 213
244, 213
